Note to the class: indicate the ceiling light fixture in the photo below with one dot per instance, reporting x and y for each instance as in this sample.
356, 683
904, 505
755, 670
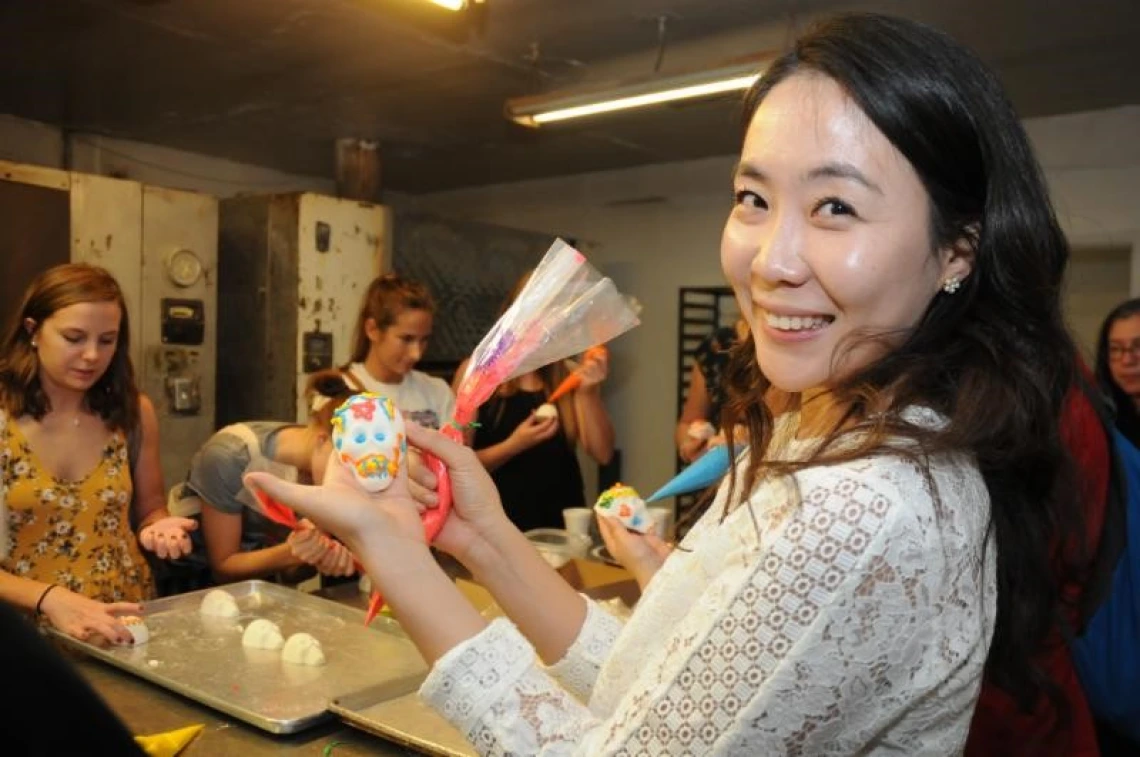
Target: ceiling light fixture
550, 108
451, 5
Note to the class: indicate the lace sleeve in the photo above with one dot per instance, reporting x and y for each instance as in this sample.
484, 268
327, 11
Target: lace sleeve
853, 622
578, 669
492, 690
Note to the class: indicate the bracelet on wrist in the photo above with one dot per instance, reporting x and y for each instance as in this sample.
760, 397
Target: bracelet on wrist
43, 596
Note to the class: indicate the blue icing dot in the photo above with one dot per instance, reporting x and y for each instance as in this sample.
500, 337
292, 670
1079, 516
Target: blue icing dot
338, 442
361, 438
635, 520
380, 436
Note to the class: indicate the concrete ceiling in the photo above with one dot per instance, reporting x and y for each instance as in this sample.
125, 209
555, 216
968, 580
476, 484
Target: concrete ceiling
275, 82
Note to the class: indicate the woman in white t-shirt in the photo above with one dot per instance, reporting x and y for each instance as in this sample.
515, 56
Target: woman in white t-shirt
392, 333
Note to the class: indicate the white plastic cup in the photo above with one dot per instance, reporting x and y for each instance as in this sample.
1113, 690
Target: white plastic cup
577, 520
662, 522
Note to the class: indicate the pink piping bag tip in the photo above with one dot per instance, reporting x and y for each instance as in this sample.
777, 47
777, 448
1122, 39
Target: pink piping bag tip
274, 510
375, 604
433, 518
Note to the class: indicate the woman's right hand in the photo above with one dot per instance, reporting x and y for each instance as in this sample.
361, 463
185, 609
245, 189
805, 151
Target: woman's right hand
532, 431
88, 619
476, 508
327, 555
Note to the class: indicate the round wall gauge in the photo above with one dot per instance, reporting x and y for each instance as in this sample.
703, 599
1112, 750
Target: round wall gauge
184, 268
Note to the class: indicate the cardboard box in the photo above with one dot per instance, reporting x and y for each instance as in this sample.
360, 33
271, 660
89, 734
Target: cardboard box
596, 580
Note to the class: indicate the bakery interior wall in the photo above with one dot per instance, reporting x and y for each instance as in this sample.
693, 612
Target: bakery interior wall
657, 228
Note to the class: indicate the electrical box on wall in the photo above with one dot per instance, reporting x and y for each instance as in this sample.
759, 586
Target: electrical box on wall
292, 270
161, 246
318, 351
179, 318
183, 321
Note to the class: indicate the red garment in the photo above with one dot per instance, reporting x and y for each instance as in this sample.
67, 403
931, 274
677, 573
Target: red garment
999, 727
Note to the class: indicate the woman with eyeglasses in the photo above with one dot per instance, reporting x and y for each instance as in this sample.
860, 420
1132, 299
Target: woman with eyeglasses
1118, 365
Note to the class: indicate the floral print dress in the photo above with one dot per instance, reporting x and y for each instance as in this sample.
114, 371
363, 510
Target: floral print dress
73, 533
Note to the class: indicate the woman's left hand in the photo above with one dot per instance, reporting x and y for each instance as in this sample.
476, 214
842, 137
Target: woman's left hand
369, 524
640, 554
169, 537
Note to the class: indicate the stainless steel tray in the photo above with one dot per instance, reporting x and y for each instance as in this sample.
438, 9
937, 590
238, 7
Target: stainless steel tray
203, 658
394, 711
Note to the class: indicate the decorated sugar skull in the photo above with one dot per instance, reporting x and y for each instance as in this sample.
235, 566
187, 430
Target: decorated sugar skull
624, 503
370, 440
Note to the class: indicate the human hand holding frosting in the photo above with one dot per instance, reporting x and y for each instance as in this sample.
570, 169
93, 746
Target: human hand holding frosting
640, 554
327, 555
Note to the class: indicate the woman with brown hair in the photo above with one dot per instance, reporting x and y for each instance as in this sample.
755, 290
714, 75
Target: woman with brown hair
79, 459
236, 542
391, 336
531, 452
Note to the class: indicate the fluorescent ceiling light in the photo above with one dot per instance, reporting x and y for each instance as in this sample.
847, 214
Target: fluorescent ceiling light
451, 5
554, 107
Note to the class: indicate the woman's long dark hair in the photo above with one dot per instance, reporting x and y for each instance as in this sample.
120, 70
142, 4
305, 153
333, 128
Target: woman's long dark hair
995, 357
1127, 419
115, 396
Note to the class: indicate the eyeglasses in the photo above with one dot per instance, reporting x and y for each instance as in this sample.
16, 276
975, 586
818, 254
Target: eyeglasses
1117, 352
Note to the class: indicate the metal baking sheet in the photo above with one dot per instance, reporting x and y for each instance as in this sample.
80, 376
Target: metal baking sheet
202, 657
394, 711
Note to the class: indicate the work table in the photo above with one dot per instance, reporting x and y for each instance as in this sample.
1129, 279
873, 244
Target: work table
147, 708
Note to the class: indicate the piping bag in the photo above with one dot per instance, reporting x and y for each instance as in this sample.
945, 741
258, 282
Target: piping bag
705, 471
574, 380
566, 307
286, 516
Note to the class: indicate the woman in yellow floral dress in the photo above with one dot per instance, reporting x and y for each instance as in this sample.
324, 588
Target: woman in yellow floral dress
78, 460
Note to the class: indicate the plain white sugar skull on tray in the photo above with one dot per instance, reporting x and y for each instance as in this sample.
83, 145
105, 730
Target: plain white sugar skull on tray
370, 439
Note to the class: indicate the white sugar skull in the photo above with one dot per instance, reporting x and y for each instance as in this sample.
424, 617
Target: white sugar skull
624, 503
369, 437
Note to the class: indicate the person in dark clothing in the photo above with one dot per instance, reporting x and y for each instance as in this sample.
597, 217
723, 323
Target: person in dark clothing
1053, 728
699, 424
1118, 365
1118, 373
52, 694
532, 455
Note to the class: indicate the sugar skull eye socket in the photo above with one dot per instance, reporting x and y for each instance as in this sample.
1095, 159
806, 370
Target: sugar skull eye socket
368, 431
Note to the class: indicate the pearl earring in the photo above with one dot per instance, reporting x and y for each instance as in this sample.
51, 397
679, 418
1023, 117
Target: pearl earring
950, 286
35, 346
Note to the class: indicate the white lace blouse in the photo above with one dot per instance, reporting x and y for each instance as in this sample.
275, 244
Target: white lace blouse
855, 620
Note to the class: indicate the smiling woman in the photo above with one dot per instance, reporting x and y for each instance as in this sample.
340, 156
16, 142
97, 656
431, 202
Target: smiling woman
829, 238
78, 460
886, 539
